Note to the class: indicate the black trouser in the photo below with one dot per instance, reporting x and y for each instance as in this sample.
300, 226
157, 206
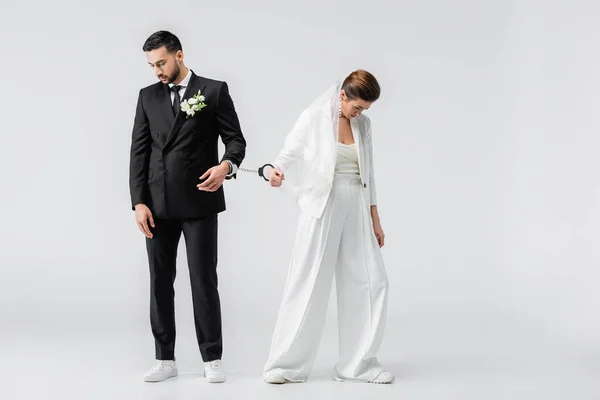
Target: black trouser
201, 244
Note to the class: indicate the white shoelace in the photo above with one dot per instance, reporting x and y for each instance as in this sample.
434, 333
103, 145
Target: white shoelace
159, 365
215, 365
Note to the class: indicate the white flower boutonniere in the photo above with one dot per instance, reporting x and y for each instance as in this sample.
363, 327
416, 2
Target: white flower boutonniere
192, 105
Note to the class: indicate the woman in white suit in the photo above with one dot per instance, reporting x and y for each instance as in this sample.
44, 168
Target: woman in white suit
339, 232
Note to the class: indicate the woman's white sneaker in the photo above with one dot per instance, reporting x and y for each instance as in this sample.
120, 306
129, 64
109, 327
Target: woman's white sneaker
275, 379
383, 378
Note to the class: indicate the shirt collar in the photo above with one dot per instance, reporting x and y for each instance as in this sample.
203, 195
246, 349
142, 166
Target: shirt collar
185, 81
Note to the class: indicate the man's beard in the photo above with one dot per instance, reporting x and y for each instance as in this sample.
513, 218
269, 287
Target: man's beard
173, 76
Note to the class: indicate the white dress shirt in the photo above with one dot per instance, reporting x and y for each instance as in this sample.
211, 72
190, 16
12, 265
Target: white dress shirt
184, 84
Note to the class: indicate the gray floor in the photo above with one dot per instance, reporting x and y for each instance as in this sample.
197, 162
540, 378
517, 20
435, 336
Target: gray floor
468, 356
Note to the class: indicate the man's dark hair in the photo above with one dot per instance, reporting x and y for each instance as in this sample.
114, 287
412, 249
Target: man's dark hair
160, 39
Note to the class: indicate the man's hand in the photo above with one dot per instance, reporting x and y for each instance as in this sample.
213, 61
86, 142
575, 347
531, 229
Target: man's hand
216, 176
276, 177
143, 215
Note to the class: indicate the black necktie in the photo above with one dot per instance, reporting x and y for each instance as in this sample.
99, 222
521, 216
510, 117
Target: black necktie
177, 100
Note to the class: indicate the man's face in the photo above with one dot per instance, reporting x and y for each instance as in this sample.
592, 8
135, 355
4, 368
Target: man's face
166, 65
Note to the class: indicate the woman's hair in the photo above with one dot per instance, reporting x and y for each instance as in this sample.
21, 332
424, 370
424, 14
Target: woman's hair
361, 84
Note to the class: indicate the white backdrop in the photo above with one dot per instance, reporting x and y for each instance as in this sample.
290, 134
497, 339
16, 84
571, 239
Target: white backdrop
486, 142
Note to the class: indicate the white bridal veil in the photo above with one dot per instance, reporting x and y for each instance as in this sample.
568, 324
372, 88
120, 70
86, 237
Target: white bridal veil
320, 118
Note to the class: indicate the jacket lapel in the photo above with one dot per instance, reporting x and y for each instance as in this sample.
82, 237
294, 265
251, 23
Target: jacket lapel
194, 85
164, 103
356, 133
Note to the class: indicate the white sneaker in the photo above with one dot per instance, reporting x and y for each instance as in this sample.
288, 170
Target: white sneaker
383, 378
275, 379
161, 370
213, 372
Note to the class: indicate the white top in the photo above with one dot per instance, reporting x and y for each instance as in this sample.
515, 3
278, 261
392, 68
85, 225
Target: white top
347, 159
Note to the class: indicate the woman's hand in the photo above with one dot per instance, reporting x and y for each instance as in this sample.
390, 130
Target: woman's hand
276, 177
379, 233
377, 225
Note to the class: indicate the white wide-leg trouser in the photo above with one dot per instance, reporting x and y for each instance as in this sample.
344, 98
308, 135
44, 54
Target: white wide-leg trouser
342, 241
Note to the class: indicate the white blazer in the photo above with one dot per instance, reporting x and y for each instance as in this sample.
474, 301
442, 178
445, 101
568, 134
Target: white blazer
312, 139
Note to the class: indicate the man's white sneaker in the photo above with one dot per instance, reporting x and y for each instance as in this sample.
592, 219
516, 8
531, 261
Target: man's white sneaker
161, 370
213, 372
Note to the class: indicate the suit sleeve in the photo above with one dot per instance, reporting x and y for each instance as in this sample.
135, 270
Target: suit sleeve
373, 189
139, 155
229, 129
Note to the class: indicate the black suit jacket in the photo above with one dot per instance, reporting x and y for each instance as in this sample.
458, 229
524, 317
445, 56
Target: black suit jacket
169, 153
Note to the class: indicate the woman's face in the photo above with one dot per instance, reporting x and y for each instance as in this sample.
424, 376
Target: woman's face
352, 108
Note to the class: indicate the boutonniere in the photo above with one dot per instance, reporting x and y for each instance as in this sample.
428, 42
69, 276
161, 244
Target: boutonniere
192, 105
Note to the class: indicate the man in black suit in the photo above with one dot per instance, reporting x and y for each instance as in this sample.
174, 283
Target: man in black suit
175, 182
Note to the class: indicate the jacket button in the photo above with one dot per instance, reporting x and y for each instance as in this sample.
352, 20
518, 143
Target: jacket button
364, 185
